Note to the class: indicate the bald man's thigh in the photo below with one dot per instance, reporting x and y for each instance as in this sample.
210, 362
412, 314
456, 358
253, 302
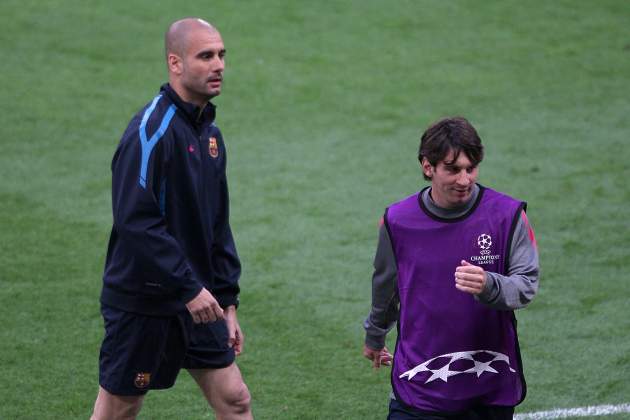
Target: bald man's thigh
116, 407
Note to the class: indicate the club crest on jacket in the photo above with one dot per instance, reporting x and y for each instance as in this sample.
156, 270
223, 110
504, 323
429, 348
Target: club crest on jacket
213, 147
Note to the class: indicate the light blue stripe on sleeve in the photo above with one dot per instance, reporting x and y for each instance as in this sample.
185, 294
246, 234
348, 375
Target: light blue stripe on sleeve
148, 145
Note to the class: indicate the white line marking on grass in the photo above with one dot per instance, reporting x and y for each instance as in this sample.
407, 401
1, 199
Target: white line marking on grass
596, 410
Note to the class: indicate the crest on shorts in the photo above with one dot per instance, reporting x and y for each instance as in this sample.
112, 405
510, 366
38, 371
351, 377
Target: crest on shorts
213, 147
142, 380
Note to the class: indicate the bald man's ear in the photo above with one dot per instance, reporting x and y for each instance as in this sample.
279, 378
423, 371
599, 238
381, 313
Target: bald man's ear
175, 64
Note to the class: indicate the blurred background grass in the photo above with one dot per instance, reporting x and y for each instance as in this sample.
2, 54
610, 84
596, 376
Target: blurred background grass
322, 111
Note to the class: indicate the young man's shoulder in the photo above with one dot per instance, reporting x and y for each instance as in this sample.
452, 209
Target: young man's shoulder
408, 198
490, 194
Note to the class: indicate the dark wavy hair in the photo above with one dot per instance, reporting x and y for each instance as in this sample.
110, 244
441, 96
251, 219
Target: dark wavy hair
451, 133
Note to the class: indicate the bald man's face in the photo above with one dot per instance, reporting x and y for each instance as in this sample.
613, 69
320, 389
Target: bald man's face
198, 75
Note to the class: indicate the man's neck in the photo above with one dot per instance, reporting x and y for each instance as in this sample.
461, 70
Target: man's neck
449, 213
186, 96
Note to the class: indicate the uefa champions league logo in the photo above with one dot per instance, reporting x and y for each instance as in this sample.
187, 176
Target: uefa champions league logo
479, 361
484, 241
485, 257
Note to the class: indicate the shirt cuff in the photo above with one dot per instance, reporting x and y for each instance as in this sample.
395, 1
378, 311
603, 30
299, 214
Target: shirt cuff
490, 290
375, 342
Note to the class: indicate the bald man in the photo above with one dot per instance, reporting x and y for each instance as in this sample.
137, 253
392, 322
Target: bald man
170, 284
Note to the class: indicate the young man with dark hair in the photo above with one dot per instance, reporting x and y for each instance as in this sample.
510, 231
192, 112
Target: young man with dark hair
452, 264
170, 287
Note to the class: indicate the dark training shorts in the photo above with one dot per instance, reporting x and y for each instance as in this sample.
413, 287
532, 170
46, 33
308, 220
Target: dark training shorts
208, 346
141, 352
399, 411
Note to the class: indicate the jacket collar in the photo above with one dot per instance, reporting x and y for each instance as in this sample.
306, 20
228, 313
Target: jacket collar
191, 111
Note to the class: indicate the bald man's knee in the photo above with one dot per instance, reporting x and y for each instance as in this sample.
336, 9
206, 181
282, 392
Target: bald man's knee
239, 399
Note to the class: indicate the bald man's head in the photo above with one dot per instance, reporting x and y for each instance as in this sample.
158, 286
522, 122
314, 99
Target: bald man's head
178, 34
195, 59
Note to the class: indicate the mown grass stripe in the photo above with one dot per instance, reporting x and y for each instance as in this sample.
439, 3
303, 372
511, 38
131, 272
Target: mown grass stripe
563, 413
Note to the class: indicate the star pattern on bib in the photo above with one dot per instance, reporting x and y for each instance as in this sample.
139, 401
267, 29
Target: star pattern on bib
445, 372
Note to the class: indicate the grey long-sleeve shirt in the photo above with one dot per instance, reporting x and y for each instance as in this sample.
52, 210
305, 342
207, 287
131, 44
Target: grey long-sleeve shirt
503, 292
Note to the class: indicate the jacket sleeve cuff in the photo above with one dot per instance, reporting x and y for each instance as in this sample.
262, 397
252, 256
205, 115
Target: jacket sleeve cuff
189, 293
226, 300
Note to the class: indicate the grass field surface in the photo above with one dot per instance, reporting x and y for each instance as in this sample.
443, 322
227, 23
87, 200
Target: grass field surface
322, 110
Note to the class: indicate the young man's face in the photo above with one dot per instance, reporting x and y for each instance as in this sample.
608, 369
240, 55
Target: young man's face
202, 66
451, 181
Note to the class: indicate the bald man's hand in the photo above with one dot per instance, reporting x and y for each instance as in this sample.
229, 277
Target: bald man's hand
204, 308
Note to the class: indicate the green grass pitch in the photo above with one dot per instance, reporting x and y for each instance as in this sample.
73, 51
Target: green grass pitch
322, 110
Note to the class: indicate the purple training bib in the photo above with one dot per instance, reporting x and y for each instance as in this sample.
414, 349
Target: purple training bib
453, 352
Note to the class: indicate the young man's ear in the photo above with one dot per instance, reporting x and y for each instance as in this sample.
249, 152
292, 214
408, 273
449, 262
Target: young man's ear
427, 169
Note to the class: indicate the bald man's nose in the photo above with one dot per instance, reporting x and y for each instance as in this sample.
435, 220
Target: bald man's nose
218, 64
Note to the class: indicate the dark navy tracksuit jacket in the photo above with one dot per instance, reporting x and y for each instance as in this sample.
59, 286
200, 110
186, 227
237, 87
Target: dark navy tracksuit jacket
171, 234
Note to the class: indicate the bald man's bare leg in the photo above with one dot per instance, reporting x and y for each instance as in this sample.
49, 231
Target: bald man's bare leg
116, 407
225, 391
